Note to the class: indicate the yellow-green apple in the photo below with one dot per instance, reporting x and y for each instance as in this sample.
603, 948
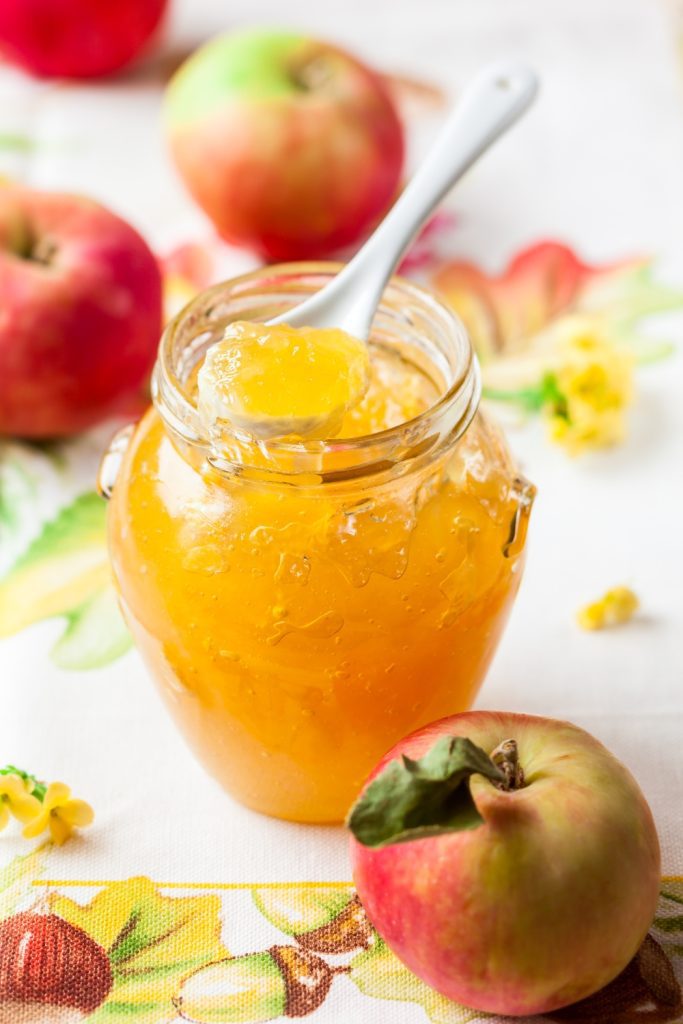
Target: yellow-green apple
291, 146
509, 861
76, 38
80, 312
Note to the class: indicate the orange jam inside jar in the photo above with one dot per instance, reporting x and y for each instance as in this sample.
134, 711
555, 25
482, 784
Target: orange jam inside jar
302, 604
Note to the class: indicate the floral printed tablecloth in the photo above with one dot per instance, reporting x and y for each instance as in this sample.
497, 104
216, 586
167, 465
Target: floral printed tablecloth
173, 877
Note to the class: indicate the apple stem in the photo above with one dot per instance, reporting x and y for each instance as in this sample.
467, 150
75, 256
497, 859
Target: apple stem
43, 252
506, 757
312, 75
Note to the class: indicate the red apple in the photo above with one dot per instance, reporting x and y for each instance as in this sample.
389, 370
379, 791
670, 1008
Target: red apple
76, 38
292, 147
514, 900
80, 312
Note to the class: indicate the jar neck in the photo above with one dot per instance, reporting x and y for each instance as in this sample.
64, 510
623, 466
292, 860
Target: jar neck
409, 318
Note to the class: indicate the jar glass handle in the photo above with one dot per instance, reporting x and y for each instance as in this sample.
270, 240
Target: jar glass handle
112, 459
524, 493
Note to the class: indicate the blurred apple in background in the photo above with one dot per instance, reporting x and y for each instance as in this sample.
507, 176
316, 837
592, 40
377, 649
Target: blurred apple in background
80, 312
76, 38
292, 147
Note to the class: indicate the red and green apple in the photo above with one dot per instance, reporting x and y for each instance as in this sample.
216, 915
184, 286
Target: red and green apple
510, 861
291, 146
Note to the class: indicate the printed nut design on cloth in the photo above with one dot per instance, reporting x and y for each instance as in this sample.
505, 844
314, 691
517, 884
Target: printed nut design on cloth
134, 952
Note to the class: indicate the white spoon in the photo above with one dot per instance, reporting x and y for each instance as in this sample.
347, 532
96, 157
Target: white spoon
494, 100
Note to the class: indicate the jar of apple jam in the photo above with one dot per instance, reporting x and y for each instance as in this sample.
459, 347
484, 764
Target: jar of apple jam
302, 604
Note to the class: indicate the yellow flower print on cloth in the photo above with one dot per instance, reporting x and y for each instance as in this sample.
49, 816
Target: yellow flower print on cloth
588, 392
16, 800
579, 378
60, 813
559, 337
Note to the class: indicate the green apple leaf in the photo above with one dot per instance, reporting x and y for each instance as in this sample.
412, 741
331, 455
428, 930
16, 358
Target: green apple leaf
95, 635
417, 799
381, 975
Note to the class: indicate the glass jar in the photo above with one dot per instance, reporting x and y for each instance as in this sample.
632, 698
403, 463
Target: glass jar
303, 605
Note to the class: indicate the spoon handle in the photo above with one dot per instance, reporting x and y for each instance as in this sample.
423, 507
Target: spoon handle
493, 101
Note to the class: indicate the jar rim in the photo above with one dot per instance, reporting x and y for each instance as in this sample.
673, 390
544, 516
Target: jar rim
447, 418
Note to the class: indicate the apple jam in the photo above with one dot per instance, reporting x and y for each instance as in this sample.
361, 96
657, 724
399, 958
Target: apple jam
302, 604
273, 380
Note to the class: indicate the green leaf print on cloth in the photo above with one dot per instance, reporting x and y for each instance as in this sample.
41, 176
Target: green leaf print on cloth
151, 941
17, 488
146, 957
378, 973
65, 573
16, 879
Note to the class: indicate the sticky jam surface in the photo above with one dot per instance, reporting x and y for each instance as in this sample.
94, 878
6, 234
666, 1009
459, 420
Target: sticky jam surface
275, 381
297, 632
